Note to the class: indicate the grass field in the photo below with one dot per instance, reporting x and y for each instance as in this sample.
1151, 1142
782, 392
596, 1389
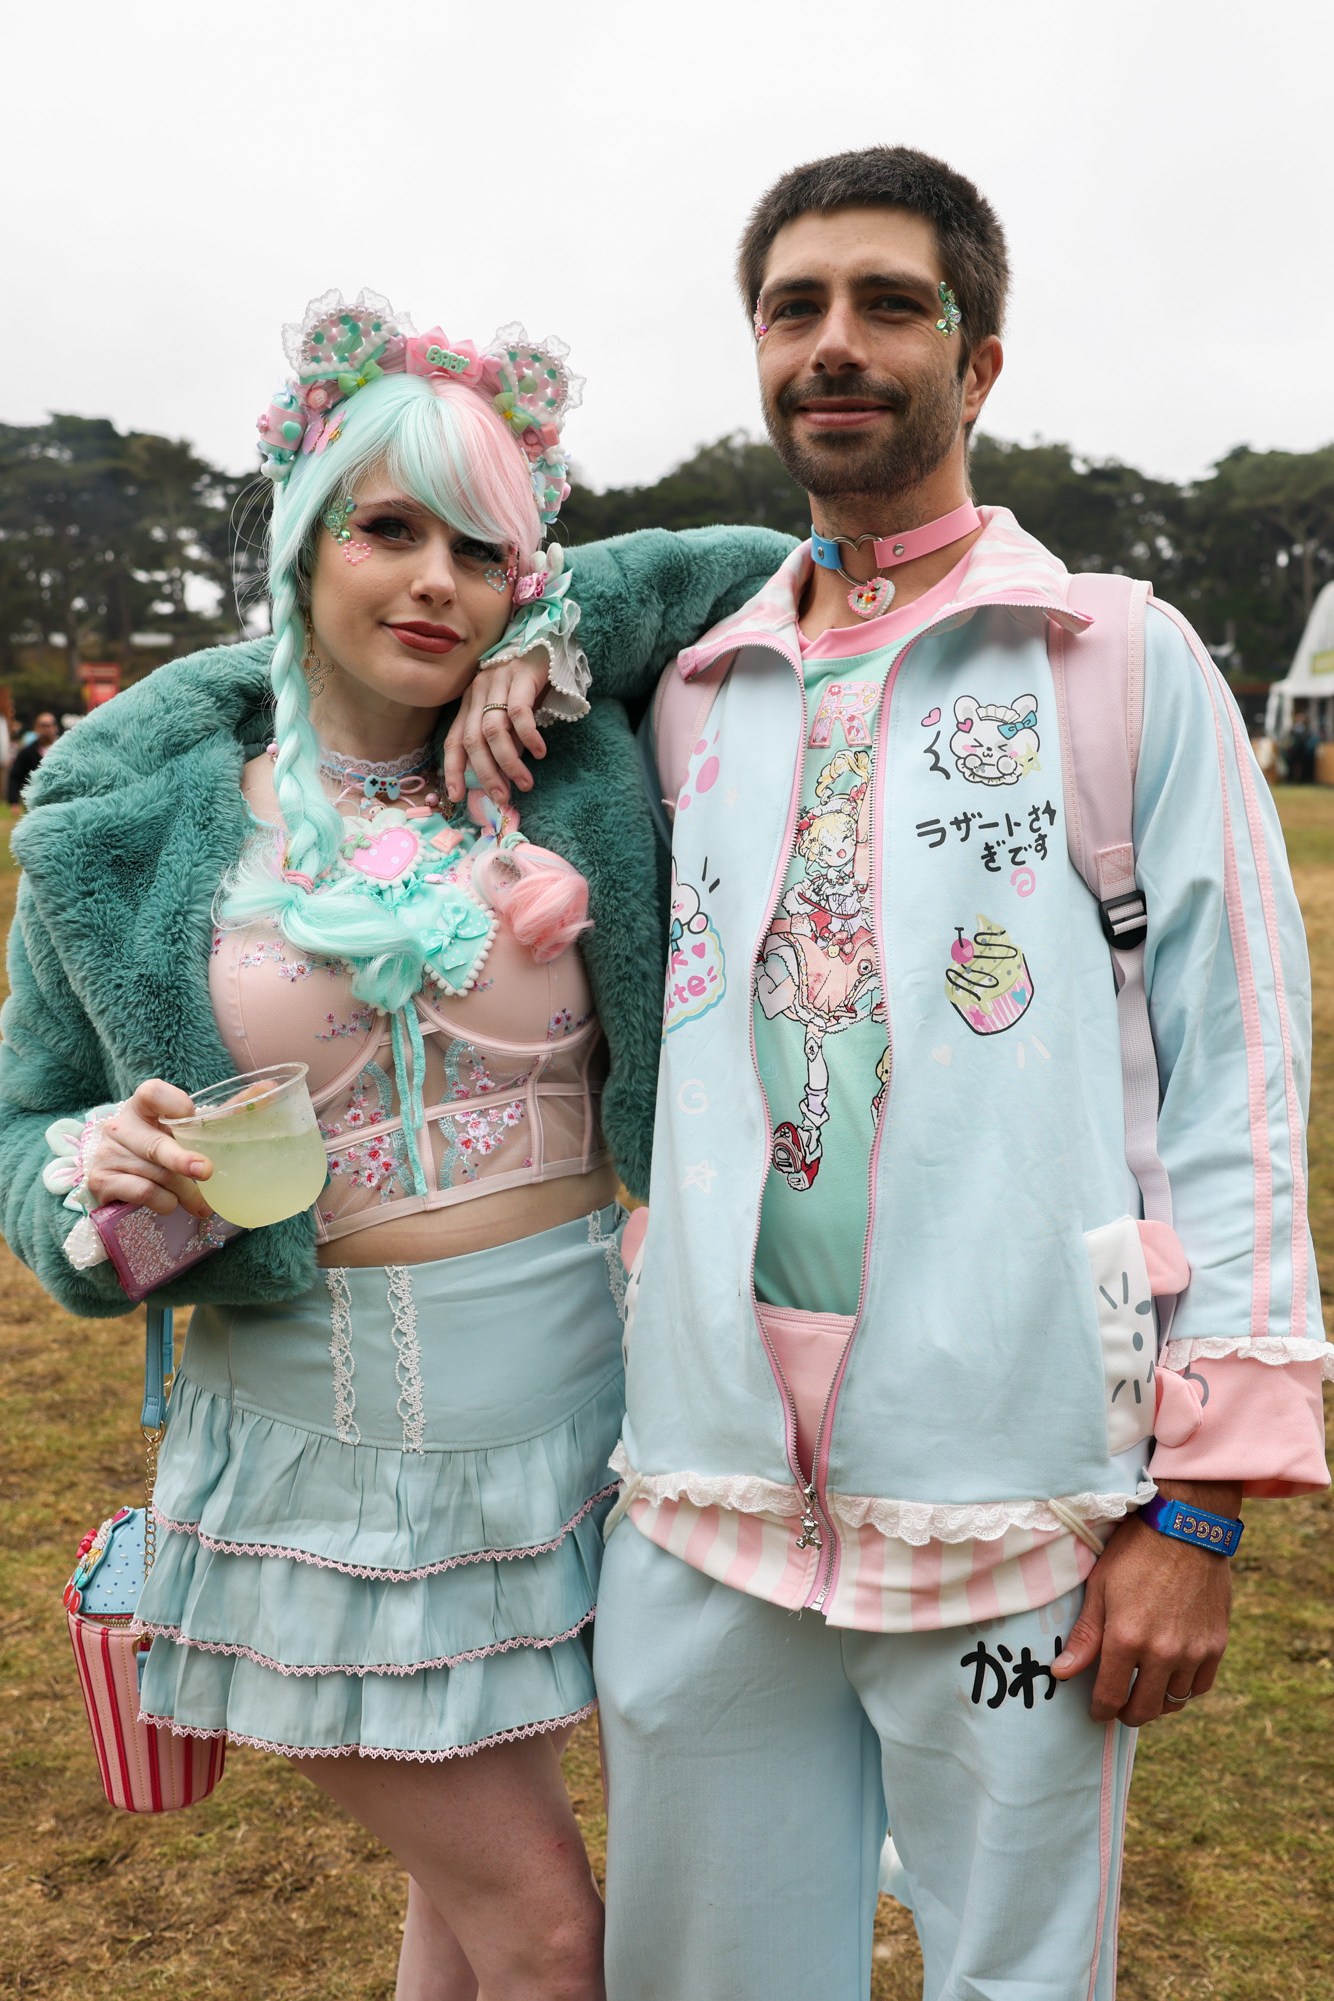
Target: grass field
267, 1891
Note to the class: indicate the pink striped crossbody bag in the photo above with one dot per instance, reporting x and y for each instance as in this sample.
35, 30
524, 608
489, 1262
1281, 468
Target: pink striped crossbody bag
144, 1767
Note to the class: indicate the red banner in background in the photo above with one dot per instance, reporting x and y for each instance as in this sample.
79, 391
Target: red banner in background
100, 680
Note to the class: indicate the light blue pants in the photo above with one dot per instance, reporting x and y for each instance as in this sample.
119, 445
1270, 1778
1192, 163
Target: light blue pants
752, 1755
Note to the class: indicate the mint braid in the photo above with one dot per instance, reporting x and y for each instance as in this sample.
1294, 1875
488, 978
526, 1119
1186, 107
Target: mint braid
314, 828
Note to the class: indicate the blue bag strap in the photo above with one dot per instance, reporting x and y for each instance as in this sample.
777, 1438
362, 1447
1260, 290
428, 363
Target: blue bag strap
159, 1361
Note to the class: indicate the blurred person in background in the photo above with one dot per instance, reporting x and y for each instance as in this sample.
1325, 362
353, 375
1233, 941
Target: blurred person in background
45, 732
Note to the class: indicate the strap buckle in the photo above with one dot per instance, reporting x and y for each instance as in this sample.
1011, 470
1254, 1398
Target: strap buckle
1125, 920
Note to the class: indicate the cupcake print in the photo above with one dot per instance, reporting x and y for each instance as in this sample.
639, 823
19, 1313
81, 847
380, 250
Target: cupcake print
987, 979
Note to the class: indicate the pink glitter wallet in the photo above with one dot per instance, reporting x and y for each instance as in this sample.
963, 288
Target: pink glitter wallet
147, 1249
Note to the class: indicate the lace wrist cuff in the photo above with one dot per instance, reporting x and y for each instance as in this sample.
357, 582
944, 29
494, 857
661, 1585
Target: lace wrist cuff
72, 1142
549, 622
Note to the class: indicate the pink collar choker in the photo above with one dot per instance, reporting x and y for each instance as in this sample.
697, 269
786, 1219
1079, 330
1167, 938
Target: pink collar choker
875, 596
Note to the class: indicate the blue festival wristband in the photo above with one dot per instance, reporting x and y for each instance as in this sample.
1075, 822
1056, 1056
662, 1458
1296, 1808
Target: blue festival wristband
1219, 1534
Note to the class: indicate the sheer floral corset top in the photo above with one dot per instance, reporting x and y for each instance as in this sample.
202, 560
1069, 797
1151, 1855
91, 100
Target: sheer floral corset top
511, 1074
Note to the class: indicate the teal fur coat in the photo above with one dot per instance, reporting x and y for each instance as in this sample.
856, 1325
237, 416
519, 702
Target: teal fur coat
135, 816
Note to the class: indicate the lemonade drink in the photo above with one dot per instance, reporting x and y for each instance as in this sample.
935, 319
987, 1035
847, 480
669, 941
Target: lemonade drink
257, 1181
261, 1134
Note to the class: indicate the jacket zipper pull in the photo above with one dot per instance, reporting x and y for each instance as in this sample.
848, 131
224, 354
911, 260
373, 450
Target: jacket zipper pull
810, 1522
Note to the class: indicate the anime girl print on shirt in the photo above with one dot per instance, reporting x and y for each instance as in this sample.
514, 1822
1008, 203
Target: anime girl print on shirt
696, 980
818, 967
995, 743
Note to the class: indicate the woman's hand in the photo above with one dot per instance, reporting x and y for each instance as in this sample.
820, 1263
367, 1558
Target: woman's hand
495, 725
136, 1160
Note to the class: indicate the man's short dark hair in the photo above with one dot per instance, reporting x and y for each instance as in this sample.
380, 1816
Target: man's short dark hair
968, 232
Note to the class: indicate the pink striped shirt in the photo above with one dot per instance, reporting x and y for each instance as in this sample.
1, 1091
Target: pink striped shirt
882, 1585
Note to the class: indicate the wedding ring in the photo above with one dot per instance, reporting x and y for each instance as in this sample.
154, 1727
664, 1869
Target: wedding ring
503, 707
1177, 1698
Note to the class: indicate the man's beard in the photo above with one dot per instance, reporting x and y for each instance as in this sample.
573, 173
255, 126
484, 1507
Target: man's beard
847, 462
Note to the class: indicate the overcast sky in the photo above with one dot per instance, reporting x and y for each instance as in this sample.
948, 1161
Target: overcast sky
183, 178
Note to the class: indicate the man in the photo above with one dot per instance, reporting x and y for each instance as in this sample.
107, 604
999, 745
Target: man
46, 729
890, 1400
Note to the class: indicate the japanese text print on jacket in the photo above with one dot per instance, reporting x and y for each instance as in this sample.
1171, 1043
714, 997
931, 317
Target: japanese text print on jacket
1003, 1357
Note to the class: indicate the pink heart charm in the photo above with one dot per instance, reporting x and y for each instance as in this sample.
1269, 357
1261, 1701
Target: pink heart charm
385, 856
930, 719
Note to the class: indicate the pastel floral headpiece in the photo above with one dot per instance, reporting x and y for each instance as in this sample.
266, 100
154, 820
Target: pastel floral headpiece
338, 348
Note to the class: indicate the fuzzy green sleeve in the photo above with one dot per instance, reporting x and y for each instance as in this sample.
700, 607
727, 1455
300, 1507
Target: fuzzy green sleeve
642, 597
50, 1067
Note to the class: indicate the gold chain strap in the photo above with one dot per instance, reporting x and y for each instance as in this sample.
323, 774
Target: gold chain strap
152, 1440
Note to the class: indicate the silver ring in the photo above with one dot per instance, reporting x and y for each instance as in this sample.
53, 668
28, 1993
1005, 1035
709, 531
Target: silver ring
1178, 1699
502, 706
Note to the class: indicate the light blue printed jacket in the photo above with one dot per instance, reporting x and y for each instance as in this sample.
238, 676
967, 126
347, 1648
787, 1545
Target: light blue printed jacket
997, 1373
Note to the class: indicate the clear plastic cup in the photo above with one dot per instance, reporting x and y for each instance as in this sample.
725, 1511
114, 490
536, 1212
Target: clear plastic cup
261, 1134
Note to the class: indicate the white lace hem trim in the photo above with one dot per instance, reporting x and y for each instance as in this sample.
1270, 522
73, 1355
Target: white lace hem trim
1273, 1351
371, 1750
702, 1490
920, 1522
914, 1522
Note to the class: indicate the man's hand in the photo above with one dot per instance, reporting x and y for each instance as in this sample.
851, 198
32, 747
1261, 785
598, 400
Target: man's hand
1155, 1616
495, 725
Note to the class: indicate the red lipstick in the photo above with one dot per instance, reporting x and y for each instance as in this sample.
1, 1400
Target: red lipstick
420, 636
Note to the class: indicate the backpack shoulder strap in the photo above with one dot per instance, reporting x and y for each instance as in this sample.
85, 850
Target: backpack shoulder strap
680, 711
1099, 683
1100, 708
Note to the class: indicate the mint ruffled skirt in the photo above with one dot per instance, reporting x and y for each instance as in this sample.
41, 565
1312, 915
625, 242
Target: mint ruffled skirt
379, 1506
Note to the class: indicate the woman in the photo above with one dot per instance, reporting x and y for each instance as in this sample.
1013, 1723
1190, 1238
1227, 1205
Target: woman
380, 1495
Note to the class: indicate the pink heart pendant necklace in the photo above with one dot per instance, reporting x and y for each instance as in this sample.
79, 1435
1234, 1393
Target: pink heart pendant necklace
874, 597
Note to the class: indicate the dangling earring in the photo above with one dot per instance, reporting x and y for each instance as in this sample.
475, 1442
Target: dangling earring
314, 669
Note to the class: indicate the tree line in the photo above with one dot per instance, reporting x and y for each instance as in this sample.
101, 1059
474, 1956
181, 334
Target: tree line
107, 538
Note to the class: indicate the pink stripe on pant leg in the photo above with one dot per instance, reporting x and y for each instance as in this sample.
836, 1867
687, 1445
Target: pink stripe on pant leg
1105, 1826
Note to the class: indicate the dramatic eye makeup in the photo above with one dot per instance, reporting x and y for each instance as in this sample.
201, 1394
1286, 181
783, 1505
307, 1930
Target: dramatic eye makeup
475, 551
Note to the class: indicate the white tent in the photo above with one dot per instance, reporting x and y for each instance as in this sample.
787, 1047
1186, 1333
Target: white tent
1310, 679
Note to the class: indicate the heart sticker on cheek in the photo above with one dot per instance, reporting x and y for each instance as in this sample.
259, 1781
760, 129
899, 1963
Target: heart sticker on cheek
356, 552
930, 719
